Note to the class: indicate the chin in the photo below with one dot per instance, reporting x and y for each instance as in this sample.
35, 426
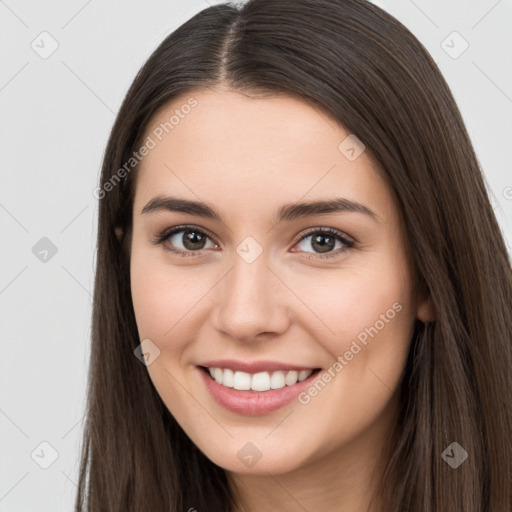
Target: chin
257, 458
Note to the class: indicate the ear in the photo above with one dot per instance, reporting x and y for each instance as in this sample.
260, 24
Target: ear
425, 310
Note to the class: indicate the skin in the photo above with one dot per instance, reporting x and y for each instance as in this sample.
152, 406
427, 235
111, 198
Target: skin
247, 157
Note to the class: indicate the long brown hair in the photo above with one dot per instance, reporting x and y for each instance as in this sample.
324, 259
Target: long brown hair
370, 73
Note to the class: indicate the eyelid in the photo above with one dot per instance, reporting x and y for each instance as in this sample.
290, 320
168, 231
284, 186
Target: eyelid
325, 229
347, 241
166, 233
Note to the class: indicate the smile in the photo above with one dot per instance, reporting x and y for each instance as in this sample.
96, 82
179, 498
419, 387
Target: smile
254, 394
261, 381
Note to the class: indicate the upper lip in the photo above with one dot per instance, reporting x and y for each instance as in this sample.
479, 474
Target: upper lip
254, 366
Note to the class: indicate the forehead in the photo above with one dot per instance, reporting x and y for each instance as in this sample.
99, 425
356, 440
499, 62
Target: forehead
218, 145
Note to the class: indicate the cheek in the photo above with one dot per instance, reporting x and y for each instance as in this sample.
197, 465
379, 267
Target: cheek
366, 326
345, 303
363, 318
166, 299
152, 302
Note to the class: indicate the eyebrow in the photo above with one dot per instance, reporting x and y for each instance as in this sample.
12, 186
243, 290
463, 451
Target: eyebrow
287, 212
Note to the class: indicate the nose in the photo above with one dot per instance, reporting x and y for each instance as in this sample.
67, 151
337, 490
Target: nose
252, 301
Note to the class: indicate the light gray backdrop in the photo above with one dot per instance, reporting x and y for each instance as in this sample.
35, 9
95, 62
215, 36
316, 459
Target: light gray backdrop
65, 67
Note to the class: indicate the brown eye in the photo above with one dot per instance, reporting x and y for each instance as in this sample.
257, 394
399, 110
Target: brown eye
324, 242
193, 240
185, 240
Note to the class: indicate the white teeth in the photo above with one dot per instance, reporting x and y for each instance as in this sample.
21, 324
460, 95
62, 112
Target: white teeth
241, 381
262, 381
304, 374
218, 374
291, 378
277, 380
228, 378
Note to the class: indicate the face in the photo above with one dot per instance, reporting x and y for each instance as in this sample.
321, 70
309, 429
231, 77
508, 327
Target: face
315, 303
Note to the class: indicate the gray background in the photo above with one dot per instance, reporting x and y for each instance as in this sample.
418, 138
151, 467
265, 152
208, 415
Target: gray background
57, 111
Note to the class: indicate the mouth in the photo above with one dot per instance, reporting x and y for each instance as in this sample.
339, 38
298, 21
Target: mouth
257, 382
254, 394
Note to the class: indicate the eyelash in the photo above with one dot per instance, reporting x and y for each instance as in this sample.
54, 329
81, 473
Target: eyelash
167, 233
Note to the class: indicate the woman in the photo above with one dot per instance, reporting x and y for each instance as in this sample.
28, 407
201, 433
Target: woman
302, 297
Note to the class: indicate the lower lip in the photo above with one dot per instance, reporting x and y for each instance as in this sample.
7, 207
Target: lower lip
254, 403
